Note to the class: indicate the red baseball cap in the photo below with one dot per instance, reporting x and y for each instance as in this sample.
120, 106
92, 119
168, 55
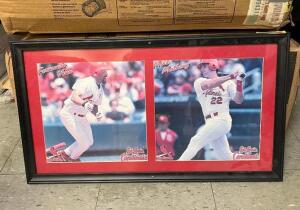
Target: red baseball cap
187, 87
163, 119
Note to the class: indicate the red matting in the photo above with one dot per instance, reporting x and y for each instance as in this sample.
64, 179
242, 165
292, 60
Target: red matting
268, 52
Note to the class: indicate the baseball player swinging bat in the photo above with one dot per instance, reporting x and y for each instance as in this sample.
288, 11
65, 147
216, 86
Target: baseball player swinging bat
86, 97
214, 94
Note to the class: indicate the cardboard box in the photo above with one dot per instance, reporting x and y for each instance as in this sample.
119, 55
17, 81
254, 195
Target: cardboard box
294, 81
80, 16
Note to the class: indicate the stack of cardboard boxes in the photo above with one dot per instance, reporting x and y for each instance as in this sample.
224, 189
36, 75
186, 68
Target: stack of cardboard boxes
83, 16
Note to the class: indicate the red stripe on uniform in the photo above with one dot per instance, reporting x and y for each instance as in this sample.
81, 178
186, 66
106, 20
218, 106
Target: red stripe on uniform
89, 97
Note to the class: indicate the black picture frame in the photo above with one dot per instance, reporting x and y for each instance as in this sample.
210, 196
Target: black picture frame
281, 39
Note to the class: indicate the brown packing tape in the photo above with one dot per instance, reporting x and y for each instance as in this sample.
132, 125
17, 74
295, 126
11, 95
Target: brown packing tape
61, 16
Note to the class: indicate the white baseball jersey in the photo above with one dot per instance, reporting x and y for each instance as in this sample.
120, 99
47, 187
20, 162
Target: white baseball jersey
216, 99
89, 92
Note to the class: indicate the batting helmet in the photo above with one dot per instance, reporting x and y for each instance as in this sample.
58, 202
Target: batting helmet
213, 64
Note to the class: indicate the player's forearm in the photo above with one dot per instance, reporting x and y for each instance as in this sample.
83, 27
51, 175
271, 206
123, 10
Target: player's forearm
239, 96
77, 99
215, 82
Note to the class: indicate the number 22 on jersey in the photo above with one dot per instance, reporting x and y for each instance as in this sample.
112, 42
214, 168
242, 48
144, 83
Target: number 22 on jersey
216, 100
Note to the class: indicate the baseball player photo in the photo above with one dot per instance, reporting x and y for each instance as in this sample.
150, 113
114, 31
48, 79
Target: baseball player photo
84, 104
228, 93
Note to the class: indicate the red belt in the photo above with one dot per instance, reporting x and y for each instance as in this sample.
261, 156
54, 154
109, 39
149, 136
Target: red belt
79, 115
210, 116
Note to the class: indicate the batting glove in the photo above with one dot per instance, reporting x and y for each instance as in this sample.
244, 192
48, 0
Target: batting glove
88, 106
241, 77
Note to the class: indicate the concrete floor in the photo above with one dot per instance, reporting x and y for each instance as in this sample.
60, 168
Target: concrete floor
16, 194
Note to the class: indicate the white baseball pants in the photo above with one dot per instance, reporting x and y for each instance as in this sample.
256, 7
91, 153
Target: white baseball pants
80, 129
213, 132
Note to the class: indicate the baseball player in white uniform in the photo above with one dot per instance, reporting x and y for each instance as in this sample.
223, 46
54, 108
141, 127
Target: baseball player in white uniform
214, 94
86, 97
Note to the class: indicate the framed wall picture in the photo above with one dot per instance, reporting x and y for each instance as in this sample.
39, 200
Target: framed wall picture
172, 108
